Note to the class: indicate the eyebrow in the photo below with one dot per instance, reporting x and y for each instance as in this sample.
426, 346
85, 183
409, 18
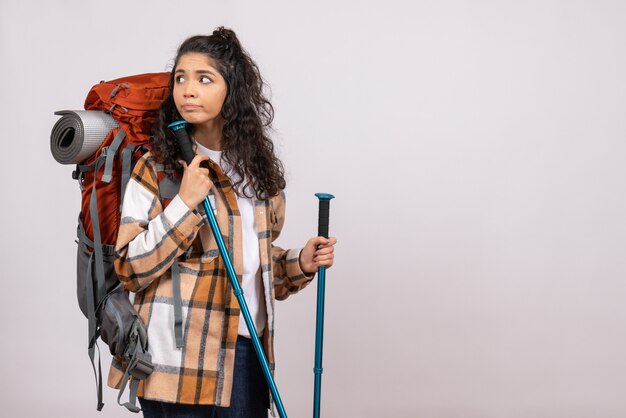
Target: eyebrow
197, 71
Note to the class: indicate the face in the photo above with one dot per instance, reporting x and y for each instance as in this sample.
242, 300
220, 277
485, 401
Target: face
199, 89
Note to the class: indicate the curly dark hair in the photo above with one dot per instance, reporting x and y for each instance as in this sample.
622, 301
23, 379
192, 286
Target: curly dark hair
247, 114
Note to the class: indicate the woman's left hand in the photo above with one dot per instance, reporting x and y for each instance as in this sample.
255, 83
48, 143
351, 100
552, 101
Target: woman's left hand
317, 252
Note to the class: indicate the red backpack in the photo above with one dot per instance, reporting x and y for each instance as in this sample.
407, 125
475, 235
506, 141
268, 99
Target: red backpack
133, 102
126, 108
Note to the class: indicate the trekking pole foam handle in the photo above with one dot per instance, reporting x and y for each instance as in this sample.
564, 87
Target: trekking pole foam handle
184, 143
324, 213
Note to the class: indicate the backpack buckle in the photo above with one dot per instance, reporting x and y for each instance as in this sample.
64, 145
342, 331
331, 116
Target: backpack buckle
79, 176
142, 366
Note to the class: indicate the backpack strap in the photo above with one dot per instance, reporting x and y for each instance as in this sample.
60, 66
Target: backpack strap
127, 154
84, 241
167, 191
110, 152
178, 309
90, 297
97, 241
116, 89
98, 375
139, 365
91, 318
99, 292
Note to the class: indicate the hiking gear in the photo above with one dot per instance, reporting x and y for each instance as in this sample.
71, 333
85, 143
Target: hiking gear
78, 134
322, 231
127, 107
179, 130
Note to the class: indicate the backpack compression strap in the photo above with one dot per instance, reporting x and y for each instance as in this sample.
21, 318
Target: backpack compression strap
110, 153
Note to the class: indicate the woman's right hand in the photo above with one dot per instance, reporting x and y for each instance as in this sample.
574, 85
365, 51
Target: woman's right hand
196, 184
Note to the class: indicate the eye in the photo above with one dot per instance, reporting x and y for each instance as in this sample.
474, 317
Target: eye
205, 79
179, 79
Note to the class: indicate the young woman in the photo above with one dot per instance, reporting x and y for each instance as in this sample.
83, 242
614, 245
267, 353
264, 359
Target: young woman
217, 88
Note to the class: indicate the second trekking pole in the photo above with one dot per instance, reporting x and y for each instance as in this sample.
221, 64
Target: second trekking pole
322, 231
178, 128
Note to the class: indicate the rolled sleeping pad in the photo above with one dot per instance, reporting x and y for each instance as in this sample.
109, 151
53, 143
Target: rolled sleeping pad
78, 134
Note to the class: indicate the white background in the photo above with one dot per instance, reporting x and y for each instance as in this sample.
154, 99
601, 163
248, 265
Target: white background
476, 149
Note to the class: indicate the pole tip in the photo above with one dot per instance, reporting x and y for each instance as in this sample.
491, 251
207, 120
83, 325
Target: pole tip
324, 196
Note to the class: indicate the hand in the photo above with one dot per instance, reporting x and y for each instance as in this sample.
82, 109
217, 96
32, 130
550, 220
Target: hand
196, 183
317, 252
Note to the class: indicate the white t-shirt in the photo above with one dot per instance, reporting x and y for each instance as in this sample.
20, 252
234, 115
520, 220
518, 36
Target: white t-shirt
251, 284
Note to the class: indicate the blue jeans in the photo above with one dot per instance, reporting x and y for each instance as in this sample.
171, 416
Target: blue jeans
249, 398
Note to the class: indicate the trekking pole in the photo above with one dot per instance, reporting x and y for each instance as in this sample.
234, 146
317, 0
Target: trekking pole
178, 128
322, 231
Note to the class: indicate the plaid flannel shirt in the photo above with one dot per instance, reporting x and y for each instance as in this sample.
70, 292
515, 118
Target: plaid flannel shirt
150, 238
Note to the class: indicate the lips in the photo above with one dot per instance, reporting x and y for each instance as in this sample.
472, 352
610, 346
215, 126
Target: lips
189, 107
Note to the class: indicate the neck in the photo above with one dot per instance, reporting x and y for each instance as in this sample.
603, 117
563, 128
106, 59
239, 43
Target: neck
209, 134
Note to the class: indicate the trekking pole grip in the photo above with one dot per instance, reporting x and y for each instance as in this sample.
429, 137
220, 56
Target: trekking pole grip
186, 149
324, 213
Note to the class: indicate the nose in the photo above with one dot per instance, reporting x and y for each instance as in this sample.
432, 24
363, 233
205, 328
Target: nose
189, 89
